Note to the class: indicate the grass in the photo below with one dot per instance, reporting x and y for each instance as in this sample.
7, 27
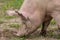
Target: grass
53, 22
7, 4
9, 17
17, 38
14, 25
1, 21
14, 4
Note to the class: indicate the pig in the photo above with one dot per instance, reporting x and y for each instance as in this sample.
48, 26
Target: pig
33, 13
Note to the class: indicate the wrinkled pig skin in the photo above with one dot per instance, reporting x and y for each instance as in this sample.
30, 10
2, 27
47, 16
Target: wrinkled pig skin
39, 12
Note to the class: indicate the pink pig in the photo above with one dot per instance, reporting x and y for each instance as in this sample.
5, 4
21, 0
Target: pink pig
36, 12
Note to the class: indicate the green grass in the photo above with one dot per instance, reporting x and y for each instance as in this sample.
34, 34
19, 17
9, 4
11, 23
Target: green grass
53, 22
9, 17
14, 3
14, 25
1, 21
17, 38
8, 4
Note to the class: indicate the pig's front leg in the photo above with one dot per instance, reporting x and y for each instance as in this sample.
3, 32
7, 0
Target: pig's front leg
45, 25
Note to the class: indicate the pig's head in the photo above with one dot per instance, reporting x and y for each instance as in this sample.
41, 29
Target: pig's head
29, 25
25, 27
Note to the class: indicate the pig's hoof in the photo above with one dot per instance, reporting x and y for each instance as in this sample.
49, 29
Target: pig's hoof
43, 33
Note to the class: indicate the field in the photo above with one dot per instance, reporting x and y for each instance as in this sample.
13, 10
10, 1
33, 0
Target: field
53, 32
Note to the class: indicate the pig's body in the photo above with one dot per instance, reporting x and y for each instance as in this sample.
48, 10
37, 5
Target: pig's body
37, 10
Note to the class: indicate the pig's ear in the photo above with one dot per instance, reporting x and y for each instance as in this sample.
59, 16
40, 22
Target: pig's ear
20, 14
